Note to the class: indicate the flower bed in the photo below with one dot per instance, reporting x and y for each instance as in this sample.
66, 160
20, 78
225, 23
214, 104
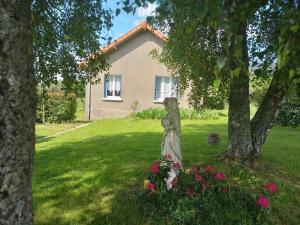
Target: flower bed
203, 195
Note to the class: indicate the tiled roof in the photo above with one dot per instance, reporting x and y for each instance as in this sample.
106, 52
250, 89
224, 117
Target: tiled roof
129, 34
113, 45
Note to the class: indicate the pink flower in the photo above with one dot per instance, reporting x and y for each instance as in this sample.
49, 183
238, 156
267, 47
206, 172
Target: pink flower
224, 189
195, 169
176, 165
219, 176
272, 187
155, 167
204, 186
263, 202
209, 169
175, 183
150, 186
190, 191
168, 156
199, 178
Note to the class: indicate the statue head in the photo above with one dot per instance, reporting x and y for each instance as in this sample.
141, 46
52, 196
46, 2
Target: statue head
170, 103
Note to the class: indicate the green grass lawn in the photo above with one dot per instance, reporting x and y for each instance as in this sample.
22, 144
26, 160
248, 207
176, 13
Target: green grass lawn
88, 176
80, 110
44, 130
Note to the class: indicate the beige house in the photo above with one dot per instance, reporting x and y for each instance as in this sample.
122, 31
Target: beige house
135, 80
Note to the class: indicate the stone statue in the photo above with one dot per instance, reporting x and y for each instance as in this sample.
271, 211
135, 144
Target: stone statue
170, 144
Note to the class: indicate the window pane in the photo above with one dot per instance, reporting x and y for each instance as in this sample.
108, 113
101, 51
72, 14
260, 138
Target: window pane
109, 86
113, 85
173, 89
118, 85
158, 86
167, 86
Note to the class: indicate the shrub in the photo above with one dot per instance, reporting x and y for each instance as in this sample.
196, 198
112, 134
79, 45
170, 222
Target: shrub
204, 196
58, 107
150, 113
216, 101
289, 114
158, 113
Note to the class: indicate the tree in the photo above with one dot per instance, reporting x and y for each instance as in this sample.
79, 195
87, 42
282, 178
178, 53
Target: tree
64, 33
196, 68
257, 35
39, 40
17, 104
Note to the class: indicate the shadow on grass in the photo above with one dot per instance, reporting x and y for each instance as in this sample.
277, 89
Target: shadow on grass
91, 181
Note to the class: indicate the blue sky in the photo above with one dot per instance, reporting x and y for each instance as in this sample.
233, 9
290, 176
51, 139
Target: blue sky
125, 22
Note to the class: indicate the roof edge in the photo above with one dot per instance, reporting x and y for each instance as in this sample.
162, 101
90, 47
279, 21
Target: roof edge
113, 45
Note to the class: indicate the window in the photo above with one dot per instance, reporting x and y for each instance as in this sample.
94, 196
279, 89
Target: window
112, 86
165, 87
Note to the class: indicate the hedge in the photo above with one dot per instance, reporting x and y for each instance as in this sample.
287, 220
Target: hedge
158, 113
58, 107
289, 114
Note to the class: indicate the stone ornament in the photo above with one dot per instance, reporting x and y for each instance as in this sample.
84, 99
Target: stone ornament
170, 143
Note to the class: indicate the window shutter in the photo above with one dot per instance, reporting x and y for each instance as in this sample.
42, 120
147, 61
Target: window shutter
105, 86
155, 88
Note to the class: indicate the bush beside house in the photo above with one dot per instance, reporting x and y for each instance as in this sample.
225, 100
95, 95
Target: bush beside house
289, 114
56, 107
158, 113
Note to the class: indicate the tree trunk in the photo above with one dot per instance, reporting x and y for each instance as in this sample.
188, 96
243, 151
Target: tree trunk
239, 132
266, 114
17, 110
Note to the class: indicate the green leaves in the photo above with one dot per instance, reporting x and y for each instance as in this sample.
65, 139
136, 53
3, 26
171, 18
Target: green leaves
221, 62
235, 72
118, 11
217, 83
65, 32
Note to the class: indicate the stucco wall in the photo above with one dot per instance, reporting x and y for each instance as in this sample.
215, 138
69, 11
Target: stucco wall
138, 70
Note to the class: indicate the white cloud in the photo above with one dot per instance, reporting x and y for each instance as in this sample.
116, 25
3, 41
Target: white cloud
149, 11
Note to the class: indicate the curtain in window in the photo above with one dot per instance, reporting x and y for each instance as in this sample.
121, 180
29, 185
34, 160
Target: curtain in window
165, 87
158, 87
117, 88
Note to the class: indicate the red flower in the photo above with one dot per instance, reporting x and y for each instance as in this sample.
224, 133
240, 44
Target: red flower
155, 167
195, 169
272, 187
263, 202
168, 156
204, 186
219, 176
190, 191
175, 183
209, 169
150, 186
224, 189
176, 165
199, 178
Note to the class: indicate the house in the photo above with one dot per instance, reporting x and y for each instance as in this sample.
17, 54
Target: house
135, 80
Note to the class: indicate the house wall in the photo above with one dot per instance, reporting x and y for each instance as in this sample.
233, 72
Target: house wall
138, 69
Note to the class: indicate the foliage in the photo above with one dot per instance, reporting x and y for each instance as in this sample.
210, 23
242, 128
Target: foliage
93, 173
65, 32
205, 196
158, 113
193, 62
289, 114
217, 43
57, 107
215, 100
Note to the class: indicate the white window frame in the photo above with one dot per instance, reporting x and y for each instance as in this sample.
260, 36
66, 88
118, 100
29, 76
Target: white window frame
113, 97
162, 88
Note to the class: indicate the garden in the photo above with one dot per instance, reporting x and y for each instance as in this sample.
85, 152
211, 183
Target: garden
108, 173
